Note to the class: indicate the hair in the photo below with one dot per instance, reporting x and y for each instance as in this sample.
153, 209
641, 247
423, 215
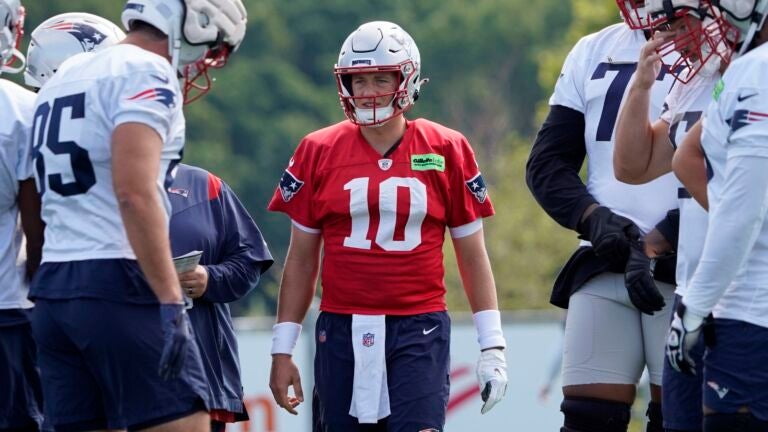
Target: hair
138, 26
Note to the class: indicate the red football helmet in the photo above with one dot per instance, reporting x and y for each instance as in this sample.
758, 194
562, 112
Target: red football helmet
701, 36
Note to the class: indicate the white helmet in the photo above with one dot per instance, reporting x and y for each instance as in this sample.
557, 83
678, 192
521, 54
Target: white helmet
379, 46
62, 36
748, 16
201, 34
634, 14
11, 31
702, 36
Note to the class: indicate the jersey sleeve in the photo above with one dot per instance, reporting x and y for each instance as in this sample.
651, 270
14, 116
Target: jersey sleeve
569, 89
22, 136
469, 194
151, 98
295, 190
749, 124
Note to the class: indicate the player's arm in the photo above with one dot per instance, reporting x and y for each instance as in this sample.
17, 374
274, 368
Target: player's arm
32, 224
642, 151
480, 287
297, 288
552, 170
690, 165
136, 152
244, 256
734, 226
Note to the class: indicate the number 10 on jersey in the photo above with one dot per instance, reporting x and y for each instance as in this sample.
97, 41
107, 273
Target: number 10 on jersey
385, 233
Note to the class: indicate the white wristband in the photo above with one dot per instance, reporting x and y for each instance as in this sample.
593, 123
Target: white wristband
488, 326
284, 337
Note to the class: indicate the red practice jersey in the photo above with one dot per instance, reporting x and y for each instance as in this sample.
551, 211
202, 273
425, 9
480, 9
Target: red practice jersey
383, 220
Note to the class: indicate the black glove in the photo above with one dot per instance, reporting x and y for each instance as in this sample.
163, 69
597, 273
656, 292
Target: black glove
638, 278
610, 235
177, 335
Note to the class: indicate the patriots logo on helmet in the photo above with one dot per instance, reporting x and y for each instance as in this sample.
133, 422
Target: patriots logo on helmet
743, 118
476, 186
368, 339
163, 95
289, 185
88, 36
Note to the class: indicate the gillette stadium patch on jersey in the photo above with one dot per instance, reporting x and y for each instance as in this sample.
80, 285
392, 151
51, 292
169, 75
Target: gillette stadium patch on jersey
476, 185
289, 185
425, 162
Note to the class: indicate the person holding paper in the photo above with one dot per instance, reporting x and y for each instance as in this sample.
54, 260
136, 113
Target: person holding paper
208, 217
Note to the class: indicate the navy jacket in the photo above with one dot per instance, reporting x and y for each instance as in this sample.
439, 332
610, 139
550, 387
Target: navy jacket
207, 216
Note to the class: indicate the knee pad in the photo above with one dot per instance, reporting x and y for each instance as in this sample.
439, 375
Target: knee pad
655, 419
734, 422
594, 415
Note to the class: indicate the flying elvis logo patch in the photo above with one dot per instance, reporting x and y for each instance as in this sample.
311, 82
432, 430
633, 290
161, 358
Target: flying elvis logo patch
289, 185
743, 118
88, 36
476, 186
163, 95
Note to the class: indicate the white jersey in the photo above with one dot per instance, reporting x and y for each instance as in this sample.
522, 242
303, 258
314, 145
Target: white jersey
593, 81
75, 115
16, 105
683, 107
732, 277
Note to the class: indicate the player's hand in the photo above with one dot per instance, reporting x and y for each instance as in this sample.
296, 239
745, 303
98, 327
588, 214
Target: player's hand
194, 282
284, 374
684, 335
610, 235
492, 377
649, 63
638, 279
177, 335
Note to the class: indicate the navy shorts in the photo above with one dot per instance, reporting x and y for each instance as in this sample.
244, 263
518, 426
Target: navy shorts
99, 362
736, 369
20, 392
417, 373
681, 403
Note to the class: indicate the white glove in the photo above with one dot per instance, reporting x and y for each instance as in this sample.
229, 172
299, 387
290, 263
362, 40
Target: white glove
492, 377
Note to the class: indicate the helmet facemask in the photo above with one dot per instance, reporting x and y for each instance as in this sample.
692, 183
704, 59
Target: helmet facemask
702, 38
197, 82
634, 13
399, 102
10, 41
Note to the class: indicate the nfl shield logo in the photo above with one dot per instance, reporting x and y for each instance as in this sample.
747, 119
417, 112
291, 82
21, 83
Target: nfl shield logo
368, 339
321, 336
385, 164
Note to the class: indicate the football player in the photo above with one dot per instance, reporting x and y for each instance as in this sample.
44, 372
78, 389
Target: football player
617, 314
208, 216
730, 280
17, 340
20, 393
644, 150
115, 346
378, 192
